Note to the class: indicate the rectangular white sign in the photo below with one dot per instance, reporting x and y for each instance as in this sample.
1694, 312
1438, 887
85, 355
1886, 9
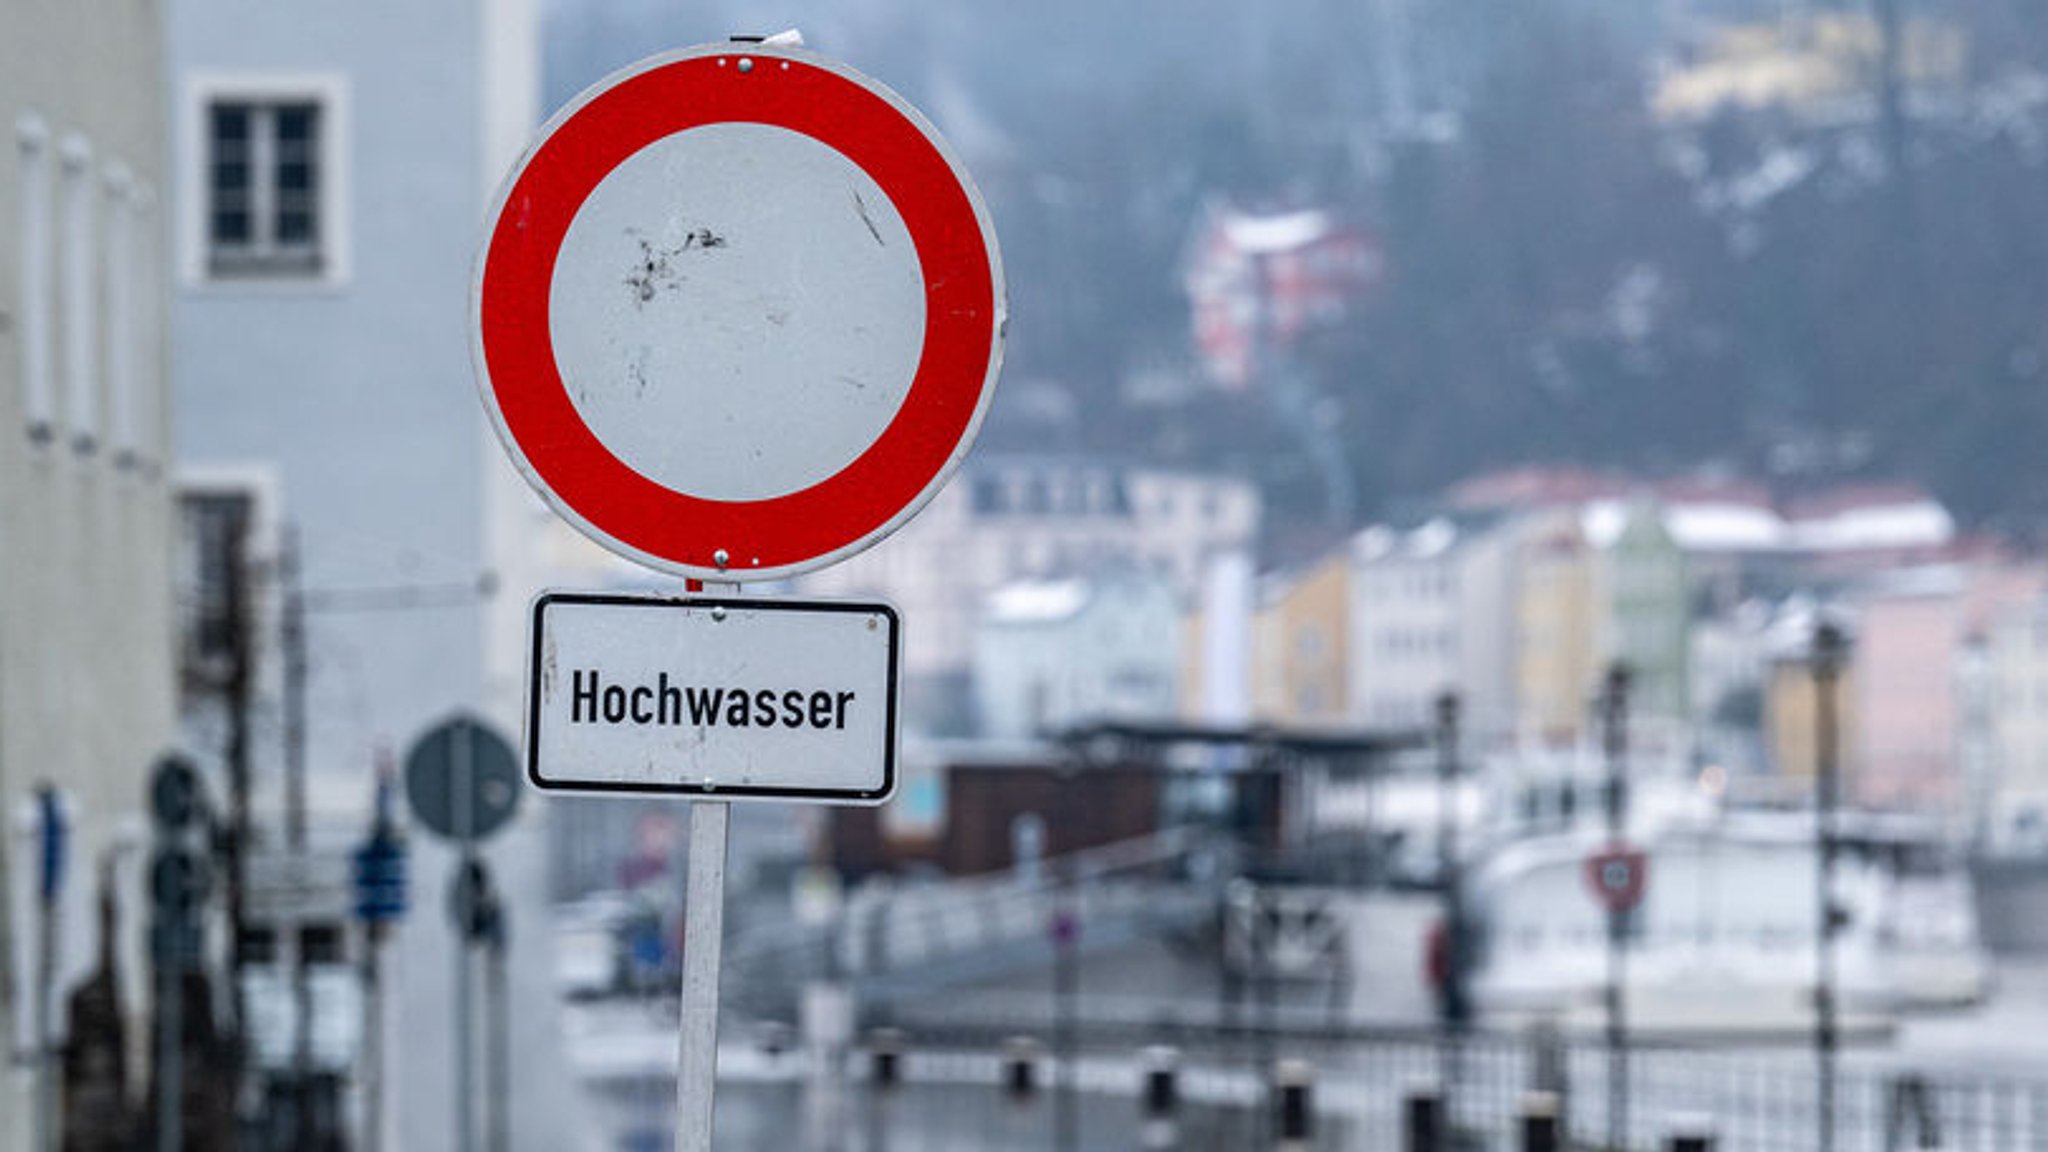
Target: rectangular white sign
718, 697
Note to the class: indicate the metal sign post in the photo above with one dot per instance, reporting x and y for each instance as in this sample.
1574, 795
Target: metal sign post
703, 945
379, 865
178, 882
496, 932
462, 781
703, 956
461, 794
1614, 718
49, 892
1455, 1009
1830, 652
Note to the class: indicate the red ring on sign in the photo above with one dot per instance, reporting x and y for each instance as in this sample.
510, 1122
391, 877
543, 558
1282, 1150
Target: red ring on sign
836, 513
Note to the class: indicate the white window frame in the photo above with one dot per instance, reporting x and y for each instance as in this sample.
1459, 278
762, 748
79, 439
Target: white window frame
78, 302
330, 92
148, 344
32, 140
121, 261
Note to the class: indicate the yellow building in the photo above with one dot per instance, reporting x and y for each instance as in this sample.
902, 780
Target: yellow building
1791, 721
1557, 622
1300, 653
1807, 64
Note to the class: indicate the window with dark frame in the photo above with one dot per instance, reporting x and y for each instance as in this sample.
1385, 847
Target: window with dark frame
215, 531
263, 181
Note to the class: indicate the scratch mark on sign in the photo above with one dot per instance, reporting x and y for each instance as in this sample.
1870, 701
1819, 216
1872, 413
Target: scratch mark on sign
637, 371
650, 273
860, 205
655, 271
547, 671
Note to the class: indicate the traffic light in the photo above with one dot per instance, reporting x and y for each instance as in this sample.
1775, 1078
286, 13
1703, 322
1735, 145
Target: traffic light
180, 876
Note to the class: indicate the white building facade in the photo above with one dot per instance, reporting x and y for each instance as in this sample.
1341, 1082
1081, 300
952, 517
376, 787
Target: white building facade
1406, 628
1432, 611
86, 683
2016, 707
1049, 655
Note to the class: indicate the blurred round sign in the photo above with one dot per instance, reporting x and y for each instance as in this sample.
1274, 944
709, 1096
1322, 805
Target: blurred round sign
179, 879
1618, 874
462, 779
174, 796
738, 312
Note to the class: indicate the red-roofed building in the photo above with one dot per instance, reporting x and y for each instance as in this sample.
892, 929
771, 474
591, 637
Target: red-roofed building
1534, 486
1257, 283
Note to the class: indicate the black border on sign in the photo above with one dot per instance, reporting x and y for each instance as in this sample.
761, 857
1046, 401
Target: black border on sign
868, 797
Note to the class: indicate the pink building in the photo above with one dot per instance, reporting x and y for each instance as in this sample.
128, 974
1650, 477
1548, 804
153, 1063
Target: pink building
1909, 637
1914, 627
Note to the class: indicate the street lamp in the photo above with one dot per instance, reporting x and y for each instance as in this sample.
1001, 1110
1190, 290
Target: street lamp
1614, 749
1830, 653
1455, 1007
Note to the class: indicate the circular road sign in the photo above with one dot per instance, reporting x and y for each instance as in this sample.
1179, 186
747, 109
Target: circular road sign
1618, 875
175, 795
738, 312
434, 784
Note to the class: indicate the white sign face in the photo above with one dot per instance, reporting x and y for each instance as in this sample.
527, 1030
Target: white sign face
722, 698
737, 345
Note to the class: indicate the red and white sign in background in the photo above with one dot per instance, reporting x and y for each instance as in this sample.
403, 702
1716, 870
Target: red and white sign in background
739, 313
1618, 875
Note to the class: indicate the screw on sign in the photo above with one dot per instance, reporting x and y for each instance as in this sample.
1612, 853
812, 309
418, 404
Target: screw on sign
739, 312
1618, 875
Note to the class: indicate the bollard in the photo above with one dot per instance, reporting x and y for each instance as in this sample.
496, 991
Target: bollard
1539, 1123
1910, 1108
1020, 1068
885, 1058
1548, 1061
1423, 1121
1161, 1096
775, 1039
1159, 1099
1294, 1113
1693, 1138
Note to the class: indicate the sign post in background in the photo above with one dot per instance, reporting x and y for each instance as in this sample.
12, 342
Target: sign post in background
738, 315
462, 781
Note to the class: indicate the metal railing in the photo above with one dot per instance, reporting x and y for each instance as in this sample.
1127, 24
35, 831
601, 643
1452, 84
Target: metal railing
1750, 1099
